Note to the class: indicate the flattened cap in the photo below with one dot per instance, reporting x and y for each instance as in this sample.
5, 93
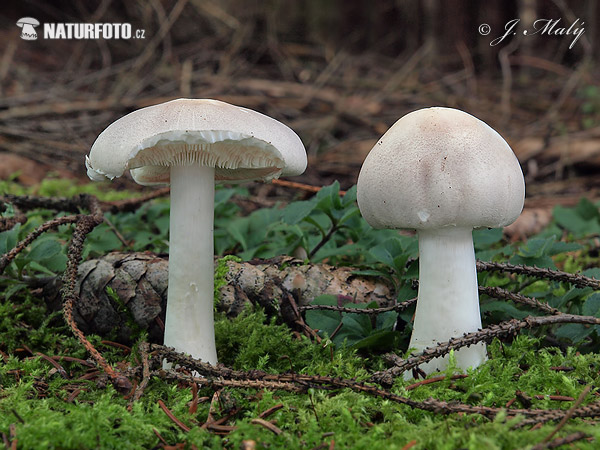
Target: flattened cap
241, 144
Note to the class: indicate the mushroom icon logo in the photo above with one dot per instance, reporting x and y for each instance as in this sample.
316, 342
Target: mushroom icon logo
27, 24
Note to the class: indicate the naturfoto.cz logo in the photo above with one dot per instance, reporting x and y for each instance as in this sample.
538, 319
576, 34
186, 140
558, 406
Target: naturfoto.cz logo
78, 30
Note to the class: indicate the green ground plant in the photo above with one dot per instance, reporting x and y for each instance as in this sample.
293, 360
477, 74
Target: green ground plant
46, 408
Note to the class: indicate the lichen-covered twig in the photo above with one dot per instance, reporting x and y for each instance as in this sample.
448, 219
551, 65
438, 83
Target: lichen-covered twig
341, 309
503, 294
508, 328
84, 226
220, 376
7, 258
577, 280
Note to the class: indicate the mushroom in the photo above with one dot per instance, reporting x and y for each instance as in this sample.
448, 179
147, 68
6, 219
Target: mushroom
27, 24
191, 143
442, 172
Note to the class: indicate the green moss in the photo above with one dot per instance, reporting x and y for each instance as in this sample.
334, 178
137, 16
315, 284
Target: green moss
221, 272
33, 395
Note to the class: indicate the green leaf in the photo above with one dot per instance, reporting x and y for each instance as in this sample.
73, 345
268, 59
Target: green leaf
380, 340
483, 238
564, 247
350, 213
587, 210
386, 321
507, 309
9, 239
541, 261
57, 263
350, 196
569, 219
536, 247
37, 266
328, 197
43, 249
591, 307
297, 211
573, 332
238, 229
321, 320
101, 241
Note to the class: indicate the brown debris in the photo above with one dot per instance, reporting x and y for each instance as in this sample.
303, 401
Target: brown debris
171, 416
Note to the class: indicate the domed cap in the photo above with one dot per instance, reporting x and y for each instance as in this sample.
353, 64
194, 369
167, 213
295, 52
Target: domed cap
241, 144
439, 167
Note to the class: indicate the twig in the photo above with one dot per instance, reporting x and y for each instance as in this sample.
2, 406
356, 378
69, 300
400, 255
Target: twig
301, 186
569, 413
7, 258
507, 328
341, 309
171, 416
84, 226
538, 272
433, 380
61, 371
271, 410
268, 425
503, 294
219, 376
558, 442
139, 391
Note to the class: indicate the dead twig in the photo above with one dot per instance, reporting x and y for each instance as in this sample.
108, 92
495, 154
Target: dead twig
171, 416
577, 280
7, 258
219, 376
503, 329
84, 226
268, 425
569, 414
139, 391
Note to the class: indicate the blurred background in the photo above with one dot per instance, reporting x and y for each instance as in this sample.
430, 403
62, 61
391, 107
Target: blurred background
339, 72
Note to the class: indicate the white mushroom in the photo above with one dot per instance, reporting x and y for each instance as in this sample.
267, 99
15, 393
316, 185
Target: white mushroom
442, 172
190, 143
28, 31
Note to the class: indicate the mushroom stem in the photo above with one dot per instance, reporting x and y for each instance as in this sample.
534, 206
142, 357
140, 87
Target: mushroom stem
448, 299
189, 324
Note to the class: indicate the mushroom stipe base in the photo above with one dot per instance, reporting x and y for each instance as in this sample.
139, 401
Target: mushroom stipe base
448, 304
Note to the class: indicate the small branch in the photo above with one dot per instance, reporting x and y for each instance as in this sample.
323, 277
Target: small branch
433, 380
503, 329
577, 280
84, 226
171, 416
7, 258
503, 294
139, 391
220, 376
301, 186
341, 309
569, 414
559, 442
323, 241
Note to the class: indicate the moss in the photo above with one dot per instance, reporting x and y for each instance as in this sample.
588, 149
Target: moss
35, 398
99, 417
221, 271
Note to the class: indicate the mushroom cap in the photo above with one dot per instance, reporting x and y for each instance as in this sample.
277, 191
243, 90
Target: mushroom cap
241, 144
438, 167
27, 21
